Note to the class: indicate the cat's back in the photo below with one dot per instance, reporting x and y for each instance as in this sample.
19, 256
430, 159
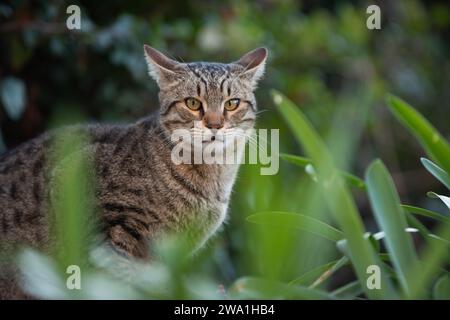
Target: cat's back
26, 171
22, 191
24, 183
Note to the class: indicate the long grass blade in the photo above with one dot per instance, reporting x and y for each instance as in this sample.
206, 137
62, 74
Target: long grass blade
433, 258
444, 199
436, 171
426, 213
349, 291
337, 195
430, 139
391, 219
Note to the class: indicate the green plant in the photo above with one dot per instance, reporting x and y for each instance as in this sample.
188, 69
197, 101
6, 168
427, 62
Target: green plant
407, 274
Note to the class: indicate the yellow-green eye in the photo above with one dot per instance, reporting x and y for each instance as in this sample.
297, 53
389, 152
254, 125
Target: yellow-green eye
193, 104
232, 104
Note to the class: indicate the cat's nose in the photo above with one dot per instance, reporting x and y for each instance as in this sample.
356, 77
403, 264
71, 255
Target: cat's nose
214, 125
213, 121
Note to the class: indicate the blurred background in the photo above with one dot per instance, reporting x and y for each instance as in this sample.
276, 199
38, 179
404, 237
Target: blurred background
322, 56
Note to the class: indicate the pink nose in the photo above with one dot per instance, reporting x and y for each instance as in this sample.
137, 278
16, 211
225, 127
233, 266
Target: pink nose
213, 120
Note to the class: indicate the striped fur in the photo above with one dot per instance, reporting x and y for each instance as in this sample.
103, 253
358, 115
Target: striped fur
141, 194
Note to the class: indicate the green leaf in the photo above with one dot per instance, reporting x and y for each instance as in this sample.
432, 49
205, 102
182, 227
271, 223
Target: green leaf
441, 290
329, 272
338, 197
304, 162
430, 139
353, 180
297, 160
444, 199
298, 221
426, 213
309, 277
342, 245
72, 190
434, 256
391, 219
415, 223
302, 129
317, 275
436, 171
348, 291
374, 242
381, 235
258, 288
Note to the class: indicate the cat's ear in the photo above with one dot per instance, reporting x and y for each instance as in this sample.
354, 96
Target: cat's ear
254, 63
160, 67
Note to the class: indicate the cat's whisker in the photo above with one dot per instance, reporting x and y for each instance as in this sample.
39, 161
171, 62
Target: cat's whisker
260, 142
261, 111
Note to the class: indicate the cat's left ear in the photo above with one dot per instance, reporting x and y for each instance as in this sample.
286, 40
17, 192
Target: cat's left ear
254, 63
160, 67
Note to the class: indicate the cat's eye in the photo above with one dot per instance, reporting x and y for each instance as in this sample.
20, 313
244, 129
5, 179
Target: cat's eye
193, 104
232, 104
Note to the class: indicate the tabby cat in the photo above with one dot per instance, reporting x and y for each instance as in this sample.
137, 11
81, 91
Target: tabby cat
140, 193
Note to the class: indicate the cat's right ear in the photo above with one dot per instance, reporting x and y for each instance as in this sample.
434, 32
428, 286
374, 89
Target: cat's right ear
160, 67
253, 63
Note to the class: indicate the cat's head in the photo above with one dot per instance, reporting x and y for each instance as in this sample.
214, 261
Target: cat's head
212, 99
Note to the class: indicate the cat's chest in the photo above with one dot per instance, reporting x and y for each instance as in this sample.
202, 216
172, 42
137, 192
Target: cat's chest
211, 206
207, 221
168, 197
206, 210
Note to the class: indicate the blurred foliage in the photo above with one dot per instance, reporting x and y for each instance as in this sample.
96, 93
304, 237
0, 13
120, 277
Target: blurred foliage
322, 57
